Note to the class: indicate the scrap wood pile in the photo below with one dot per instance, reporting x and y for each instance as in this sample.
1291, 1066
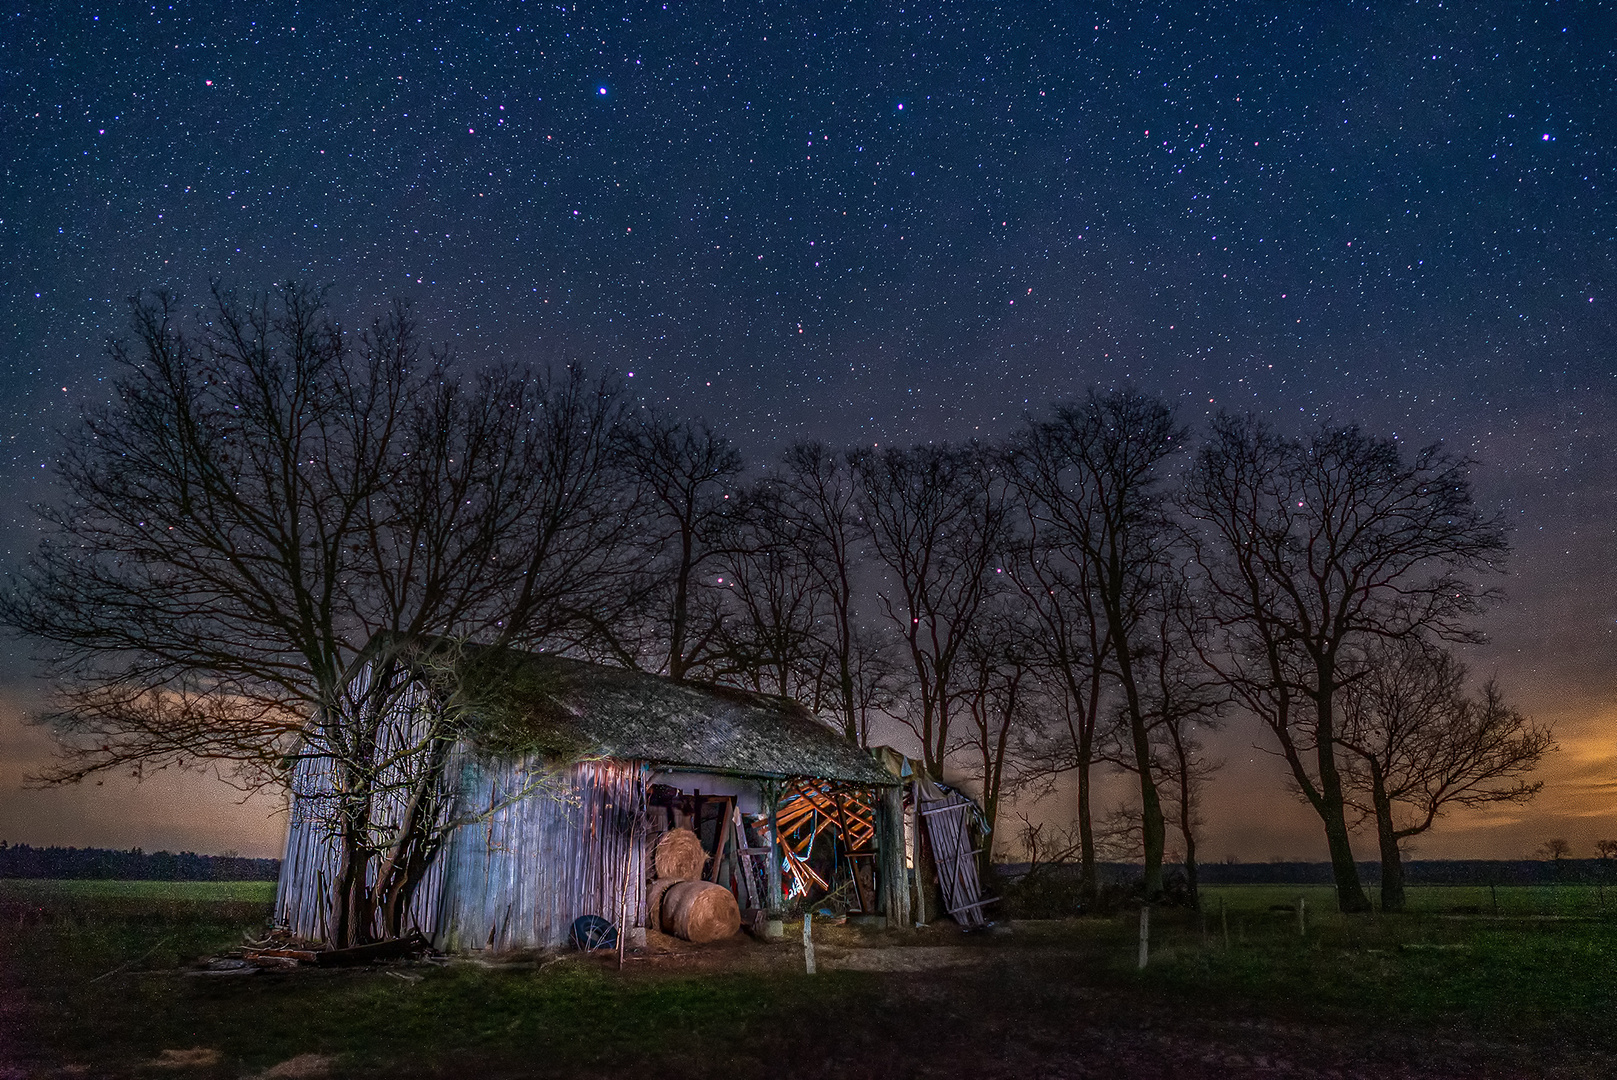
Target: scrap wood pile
847, 818
280, 951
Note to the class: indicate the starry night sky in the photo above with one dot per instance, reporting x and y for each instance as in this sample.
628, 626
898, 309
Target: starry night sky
888, 222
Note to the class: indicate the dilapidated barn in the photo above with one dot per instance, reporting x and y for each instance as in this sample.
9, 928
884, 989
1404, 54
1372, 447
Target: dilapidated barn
779, 800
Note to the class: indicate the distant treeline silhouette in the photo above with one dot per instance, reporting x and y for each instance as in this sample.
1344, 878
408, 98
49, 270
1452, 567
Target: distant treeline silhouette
1417, 872
26, 861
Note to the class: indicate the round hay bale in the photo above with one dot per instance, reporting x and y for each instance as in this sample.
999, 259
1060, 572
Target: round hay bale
700, 911
679, 856
654, 901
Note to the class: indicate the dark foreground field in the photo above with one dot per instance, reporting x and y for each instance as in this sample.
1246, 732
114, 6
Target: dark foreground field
93, 983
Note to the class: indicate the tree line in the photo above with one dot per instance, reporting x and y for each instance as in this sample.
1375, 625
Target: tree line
26, 861
270, 502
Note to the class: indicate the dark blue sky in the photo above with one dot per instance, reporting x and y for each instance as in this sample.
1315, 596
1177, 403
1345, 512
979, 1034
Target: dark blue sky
883, 222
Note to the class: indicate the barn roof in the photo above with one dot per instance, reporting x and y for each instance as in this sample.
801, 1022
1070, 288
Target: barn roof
530, 702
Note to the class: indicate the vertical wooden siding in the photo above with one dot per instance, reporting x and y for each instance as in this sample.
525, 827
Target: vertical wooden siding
313, 853
517, 877
533, 858
536, 848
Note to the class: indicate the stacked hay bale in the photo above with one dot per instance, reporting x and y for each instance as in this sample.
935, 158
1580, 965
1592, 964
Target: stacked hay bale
680, 902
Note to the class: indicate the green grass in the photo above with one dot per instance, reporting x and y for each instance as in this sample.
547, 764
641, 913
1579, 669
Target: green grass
1512, 901
97, 962
97, 966
199, 892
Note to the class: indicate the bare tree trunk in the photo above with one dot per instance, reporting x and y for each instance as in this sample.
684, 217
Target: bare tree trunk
1152, 829
679, 617
850, 708
1332, 806
1187, 828
1392, 860
352, 897
1089, 888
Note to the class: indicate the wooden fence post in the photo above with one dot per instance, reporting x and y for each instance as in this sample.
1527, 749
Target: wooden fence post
1145, 934
808, 942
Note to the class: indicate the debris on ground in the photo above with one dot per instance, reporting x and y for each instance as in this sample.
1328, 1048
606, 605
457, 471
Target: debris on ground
279, 951
198, 1057
302, 1067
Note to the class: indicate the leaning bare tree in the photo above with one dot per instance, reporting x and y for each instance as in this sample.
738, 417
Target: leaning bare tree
1420, 745
1311, 549
1094, 475
268, 507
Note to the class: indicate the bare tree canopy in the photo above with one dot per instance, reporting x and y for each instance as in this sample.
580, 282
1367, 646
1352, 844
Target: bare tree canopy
936, 517
773, 600
791, 580
1311, 549
269, 503
999, 691
687, 474
1419, 746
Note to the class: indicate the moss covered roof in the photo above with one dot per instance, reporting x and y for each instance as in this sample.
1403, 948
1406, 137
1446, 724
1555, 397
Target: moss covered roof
528, 702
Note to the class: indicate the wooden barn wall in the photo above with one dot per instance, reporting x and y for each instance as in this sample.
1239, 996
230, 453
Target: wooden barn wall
535, 860
313, 853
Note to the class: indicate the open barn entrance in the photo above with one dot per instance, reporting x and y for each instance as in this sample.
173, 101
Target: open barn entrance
827, 849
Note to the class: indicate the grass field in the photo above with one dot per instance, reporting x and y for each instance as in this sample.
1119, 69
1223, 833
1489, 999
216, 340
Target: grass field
100, 892
92, 976
1519, 901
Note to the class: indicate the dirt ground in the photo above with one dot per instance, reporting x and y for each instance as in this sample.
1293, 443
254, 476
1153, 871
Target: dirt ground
1013, 1005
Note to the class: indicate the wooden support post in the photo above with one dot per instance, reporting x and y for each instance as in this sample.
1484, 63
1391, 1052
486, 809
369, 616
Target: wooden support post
722, 842
1302, 917
1145, 934
915, 842
771, 793
893, 883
